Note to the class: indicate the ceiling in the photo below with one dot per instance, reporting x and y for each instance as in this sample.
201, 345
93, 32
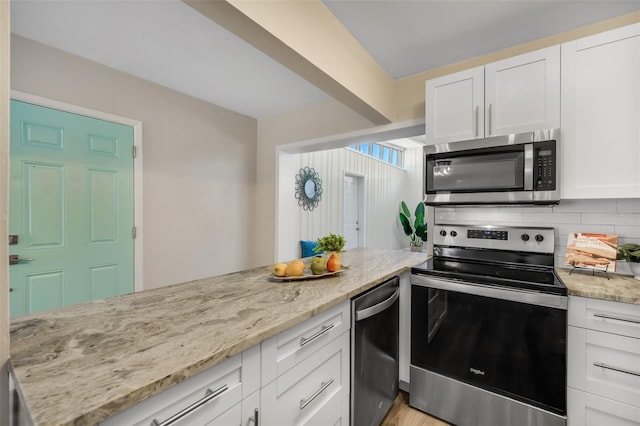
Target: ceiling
169, 43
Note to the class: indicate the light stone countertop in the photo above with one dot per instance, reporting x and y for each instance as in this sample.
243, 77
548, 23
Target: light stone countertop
81, 364
618, 288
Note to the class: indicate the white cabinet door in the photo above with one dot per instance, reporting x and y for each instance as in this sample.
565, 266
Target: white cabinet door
301, 395
455, 107
584, 409
601, 115
523, 93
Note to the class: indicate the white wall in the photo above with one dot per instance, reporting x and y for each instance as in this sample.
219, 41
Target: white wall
384, 187
199, 161
610, 216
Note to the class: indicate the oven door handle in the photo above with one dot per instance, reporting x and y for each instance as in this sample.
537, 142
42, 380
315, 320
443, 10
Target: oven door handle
515, 295
365, 313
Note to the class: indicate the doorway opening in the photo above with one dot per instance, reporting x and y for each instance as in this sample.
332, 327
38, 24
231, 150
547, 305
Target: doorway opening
353, 211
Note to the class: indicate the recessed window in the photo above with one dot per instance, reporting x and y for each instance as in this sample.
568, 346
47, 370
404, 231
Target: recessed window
388, 154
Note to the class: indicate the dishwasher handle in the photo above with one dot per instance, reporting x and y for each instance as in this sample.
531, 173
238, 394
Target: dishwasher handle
365, 313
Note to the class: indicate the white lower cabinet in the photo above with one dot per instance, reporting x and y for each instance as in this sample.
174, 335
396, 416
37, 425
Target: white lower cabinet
314, 392
603, 370
305, 372
586, 409
298, 377
213, 397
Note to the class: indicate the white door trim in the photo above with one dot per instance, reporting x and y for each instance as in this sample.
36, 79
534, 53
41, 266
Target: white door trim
137, 165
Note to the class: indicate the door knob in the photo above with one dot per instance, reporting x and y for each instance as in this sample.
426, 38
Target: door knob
14, 259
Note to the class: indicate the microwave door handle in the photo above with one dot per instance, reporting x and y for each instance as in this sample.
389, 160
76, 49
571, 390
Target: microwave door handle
528, 167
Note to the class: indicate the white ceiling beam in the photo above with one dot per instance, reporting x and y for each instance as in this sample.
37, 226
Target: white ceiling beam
308, 39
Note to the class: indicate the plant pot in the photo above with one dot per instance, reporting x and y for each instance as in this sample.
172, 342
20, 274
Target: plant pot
417, 249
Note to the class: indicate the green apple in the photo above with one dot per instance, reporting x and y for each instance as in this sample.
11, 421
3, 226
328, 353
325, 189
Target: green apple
317, 265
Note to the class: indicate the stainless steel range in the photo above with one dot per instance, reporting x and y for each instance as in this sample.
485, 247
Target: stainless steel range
488, 328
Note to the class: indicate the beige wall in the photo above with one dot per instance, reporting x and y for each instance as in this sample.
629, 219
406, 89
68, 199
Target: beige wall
4, 211
199, 161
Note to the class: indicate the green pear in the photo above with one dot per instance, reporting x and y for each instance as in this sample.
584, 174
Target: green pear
317, 265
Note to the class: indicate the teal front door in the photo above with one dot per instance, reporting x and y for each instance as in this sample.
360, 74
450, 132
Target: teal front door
70, 208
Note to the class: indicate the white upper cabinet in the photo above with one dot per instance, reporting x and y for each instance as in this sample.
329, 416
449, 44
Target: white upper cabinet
601, 115
515, 95
523, 93
455, 106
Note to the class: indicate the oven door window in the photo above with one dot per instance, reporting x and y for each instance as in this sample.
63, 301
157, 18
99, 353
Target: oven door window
479, 170
510, 348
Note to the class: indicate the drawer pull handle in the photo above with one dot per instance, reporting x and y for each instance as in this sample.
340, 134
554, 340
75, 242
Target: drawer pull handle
621, 370
324, 329
323, 386
632, 320
209, 395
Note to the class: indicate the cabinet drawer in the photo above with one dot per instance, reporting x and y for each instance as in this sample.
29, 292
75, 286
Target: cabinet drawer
300, 395
225, 380
284, 351
605, 364
585, 409
604, 315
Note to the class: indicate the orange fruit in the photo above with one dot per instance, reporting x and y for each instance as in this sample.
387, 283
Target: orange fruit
295, 269
333, 264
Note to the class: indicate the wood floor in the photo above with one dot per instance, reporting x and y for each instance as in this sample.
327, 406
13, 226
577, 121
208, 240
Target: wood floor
401, 414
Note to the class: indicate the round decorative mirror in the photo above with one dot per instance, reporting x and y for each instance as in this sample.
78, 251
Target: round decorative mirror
308, 188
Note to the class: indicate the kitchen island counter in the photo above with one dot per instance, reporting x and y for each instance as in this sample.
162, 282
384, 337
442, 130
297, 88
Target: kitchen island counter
84, 363
618, 288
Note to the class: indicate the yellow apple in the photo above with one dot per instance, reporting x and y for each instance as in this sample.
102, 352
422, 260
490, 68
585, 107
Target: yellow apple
279, 269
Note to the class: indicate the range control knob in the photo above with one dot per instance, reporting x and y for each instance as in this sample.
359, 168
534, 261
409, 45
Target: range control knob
525, 237
443, 233
453, 233
539, 238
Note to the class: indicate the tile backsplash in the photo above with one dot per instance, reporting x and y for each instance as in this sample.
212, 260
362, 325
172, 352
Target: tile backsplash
609, 216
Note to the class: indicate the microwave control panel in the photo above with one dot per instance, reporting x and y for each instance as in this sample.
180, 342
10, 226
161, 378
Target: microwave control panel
544, 166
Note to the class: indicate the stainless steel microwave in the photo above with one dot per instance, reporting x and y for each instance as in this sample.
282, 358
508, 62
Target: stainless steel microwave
513, 169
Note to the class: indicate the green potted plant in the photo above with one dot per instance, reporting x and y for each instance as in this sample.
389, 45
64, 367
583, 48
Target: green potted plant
631, 254
417, 232
331, 242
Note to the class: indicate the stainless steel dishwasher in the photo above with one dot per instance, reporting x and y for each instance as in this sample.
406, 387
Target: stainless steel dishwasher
374, 352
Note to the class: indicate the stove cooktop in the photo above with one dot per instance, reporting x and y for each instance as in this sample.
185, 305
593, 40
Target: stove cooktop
518, 276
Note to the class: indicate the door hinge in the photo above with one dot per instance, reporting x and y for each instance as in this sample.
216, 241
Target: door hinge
135, 151
134, 232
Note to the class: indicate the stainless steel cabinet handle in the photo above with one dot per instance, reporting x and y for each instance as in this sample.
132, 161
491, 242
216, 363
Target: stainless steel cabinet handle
621, 370
324, 329
477, 124
254, 419
631, 320
489, 122
377, 308
323, 386
209, 395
